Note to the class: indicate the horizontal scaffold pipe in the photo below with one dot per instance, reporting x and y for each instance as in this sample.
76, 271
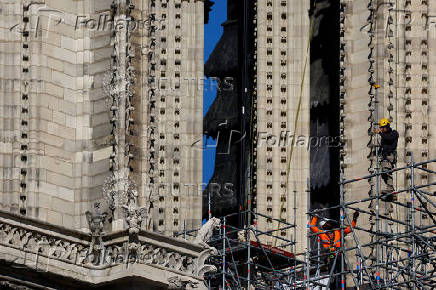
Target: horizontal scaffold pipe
415, 165
347, 204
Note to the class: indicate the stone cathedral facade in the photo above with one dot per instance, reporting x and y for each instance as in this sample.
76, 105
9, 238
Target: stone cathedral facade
85, 97
100, 132
385, 43
283, 93
327, 89
391, 44
101, 109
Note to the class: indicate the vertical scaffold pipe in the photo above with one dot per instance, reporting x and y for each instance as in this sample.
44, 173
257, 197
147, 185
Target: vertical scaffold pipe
318, 253
294, 247
307, 276
248, 249
342, 252
377, 192
224, 253
295, 219
412, 199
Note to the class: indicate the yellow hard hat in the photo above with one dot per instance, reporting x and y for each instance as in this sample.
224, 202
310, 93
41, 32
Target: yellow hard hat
384, 122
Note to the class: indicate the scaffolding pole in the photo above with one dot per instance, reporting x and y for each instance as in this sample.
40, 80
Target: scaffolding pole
307, 276
342, 253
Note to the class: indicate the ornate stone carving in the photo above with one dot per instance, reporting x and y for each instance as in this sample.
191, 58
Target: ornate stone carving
121, 192
41, 244
206, 231
10, 285
201, 267
134, 216
118, 189
176, 282
117, 250
96, 225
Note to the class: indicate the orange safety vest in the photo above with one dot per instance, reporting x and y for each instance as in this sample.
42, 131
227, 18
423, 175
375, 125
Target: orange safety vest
332, 239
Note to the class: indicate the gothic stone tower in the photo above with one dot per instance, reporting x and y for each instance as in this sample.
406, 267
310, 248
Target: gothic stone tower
391, 44
61, 133
282, 93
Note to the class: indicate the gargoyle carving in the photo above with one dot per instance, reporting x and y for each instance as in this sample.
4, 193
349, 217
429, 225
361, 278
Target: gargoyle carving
201, 267
205, 233
181, 283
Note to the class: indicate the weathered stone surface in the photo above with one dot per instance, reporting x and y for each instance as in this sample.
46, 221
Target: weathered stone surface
69, 254
62, 69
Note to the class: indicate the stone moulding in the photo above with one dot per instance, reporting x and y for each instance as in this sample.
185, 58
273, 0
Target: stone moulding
153, 257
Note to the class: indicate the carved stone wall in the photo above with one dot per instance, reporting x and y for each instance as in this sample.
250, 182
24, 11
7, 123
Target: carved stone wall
283, 76
386, 43
155, 258
58, 121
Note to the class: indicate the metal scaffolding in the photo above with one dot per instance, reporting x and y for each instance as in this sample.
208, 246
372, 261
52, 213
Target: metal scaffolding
404, 236
246, 261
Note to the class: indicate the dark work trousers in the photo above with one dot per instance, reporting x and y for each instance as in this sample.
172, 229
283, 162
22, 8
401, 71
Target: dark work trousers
333, 260
387, 163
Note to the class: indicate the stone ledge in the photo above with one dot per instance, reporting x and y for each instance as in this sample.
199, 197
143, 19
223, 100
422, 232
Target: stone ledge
154, 258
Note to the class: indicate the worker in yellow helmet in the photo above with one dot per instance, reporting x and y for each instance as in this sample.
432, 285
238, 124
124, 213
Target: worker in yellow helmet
388, 153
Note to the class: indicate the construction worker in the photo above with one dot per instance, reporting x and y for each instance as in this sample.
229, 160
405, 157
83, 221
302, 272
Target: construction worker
330, 238
388, 153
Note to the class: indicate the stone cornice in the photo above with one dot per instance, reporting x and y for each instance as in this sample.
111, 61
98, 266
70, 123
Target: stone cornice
38, 245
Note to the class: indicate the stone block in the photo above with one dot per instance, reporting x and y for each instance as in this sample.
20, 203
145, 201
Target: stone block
74, 70
71, 121
60, 180
102, 53
51, 139
99, 67
54, 217
84, 133
65, 55
60, 205
59, 118
42, 214
56, 165
68, 221
53, 89
101, 130
99, 119
102, 5
101, 154
99, 42
64, 80
44, 200
79, 83
48, 188
68, 107
72, 95
69, 43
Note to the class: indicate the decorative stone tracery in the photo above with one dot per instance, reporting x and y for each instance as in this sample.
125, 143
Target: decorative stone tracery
79, 250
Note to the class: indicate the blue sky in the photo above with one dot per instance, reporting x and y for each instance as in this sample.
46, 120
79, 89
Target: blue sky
212, 33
